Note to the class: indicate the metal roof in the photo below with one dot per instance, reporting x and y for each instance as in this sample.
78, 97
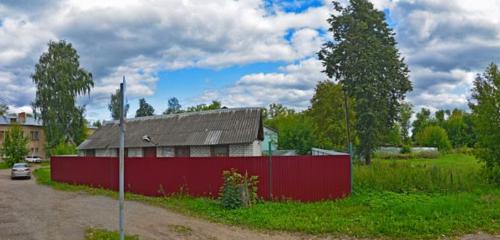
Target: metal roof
222, 126
29, 121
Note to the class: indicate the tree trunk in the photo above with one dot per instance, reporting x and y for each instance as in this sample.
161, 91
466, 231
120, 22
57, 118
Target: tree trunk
368, 159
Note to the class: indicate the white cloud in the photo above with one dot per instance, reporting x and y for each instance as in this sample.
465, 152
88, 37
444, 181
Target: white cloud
140, 38
293, 86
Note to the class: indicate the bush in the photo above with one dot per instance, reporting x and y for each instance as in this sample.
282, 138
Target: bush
405, 149
64, 149
434, 136
238, 190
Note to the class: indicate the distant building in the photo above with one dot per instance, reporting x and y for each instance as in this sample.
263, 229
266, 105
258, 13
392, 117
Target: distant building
270, 136
223, 132
32, 128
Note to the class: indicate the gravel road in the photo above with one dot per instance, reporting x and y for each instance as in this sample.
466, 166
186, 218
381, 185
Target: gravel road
31, 211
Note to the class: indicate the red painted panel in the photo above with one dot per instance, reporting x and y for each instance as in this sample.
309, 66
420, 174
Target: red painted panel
304, 178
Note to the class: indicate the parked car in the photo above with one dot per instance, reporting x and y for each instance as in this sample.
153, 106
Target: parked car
32, 159
20, 170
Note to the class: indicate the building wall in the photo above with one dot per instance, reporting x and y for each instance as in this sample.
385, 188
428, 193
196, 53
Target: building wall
248, 149
35, 146
269, 136
200, 151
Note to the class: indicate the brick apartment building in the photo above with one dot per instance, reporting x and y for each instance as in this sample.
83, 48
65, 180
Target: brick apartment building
32, 129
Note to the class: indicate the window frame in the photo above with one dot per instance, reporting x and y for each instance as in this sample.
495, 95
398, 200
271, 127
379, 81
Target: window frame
187, 149
213, 153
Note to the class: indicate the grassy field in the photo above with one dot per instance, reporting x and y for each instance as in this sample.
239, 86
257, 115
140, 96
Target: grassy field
397, 199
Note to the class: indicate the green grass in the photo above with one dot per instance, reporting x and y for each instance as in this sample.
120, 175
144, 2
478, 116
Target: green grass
449, 173
3, 165
102, 234
417, 208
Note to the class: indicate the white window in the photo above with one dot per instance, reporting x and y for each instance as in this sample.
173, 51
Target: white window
135, 152
165, 152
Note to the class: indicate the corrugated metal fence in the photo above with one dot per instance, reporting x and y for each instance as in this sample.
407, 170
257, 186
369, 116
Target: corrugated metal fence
303, 178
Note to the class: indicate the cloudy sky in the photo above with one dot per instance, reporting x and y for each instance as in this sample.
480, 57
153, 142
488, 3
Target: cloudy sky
243, 53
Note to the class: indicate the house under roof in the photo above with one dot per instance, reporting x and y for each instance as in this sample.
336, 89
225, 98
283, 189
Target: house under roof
237, 129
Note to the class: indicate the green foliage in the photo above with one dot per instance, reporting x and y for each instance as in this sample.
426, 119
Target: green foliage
64, 149
296, 131
145, 109
328, 116
114, 106
14, 146
405, 149
173, 106
423, 120
203, 107
238, 190
59, 81
404, 120
3, 109
485, 105
97, 124
392, 136
278, 110
102, 234
434, 136
459, 129
363, 57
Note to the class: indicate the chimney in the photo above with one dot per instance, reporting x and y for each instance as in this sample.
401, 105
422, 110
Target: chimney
21, 117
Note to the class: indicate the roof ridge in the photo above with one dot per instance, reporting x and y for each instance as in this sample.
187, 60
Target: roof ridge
182, 114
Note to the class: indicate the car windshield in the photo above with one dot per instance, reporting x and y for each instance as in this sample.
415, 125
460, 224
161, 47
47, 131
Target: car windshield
20, 165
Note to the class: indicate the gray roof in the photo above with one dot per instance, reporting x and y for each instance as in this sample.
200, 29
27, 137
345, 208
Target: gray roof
223, 126
29, 121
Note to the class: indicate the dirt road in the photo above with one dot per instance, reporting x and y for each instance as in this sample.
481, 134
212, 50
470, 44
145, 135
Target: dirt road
31, 211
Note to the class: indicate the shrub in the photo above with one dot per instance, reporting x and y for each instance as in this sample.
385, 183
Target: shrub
405, 149
238, 190
63, 149
434, 136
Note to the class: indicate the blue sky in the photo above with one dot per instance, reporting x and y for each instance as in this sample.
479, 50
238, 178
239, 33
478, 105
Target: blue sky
242, 53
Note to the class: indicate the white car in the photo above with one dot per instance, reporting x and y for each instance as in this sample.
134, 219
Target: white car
32, 159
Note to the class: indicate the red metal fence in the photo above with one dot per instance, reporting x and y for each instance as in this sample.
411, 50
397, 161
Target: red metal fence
303, 178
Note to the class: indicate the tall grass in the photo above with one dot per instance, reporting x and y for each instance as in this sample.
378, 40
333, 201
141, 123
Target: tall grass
413, 176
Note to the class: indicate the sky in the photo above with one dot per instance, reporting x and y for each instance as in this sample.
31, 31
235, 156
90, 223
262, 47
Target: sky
242, 53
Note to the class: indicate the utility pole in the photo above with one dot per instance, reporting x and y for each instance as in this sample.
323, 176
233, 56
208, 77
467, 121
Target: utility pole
122, 161
349, 143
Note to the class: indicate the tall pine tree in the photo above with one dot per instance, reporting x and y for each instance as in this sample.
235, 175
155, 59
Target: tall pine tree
363, 57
